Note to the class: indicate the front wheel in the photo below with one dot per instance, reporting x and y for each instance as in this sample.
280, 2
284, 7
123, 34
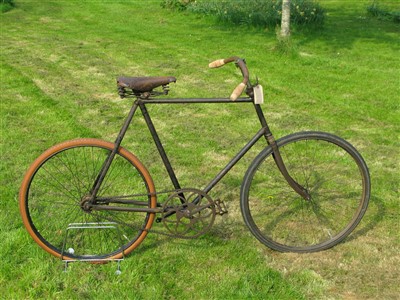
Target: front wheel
333, 173
53, 194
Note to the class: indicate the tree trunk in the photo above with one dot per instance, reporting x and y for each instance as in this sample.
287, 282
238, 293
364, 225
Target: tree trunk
285, 23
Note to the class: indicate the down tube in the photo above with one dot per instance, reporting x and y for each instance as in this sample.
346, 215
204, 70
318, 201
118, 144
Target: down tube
234, 160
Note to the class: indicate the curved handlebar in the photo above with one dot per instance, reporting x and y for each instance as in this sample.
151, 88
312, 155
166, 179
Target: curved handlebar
243, 68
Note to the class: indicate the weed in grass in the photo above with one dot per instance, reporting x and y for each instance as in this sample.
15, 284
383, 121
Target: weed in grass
285, 45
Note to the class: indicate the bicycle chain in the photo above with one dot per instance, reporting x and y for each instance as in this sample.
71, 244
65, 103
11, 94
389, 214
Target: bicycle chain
217, 203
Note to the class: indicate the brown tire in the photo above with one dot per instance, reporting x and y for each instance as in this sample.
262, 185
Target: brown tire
55, 186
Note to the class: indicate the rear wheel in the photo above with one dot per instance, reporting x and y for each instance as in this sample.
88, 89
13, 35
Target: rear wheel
334, 174
56, 187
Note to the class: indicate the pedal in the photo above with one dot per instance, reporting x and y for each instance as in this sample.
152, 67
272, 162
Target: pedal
220, 207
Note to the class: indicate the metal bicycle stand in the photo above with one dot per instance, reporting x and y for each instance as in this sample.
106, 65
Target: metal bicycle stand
91, 226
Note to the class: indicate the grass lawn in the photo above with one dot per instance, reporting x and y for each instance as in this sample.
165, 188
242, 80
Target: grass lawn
59, 61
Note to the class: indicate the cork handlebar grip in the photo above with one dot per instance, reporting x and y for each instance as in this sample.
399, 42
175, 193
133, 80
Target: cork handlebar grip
220, 62
216, 63
237, 91
240, 63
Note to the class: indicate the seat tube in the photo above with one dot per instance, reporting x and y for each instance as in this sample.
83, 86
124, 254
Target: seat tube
159, 146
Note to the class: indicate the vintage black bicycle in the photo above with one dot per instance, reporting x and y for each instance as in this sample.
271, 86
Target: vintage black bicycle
92, 199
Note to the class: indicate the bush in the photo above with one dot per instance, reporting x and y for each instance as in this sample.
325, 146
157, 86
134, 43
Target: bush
383, 13
176, 4
306, 12
6, 5
260, 13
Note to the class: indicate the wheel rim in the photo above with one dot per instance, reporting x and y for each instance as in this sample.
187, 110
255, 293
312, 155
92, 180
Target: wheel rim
50, 206
334, 177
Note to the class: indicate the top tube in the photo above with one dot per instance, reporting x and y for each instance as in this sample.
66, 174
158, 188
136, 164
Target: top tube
194, 100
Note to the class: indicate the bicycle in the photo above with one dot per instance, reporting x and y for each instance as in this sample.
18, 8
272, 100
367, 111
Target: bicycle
304, 192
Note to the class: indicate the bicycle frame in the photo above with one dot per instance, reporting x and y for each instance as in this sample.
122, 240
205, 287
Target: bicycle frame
79, 178
141, 103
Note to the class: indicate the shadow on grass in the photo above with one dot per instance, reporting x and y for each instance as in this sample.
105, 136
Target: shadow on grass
342, 31
222, 231
228, 227
375, 214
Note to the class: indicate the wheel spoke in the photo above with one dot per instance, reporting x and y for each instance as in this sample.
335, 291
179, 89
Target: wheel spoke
64, 178
335, 176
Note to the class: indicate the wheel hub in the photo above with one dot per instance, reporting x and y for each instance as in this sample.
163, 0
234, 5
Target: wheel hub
86, 204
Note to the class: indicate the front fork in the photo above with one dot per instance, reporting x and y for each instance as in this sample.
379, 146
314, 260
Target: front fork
282, 168
278, 157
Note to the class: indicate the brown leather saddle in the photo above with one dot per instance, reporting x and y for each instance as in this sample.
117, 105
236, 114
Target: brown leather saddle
144, 84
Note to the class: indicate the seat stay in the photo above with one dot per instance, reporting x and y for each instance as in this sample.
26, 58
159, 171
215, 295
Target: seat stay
107, 163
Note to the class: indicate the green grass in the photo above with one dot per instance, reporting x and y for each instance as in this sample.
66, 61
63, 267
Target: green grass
59, 61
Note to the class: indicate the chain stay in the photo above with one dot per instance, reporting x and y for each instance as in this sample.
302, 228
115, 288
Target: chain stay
216, 207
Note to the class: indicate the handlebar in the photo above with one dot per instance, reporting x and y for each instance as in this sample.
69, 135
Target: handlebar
240, 63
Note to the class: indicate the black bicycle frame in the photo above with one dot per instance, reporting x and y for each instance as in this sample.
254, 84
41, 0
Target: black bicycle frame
161, 150
141, 103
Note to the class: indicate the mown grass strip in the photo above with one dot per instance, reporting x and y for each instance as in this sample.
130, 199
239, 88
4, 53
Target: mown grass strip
60, 60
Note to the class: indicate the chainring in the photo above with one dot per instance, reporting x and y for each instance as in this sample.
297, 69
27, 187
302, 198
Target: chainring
188, 213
